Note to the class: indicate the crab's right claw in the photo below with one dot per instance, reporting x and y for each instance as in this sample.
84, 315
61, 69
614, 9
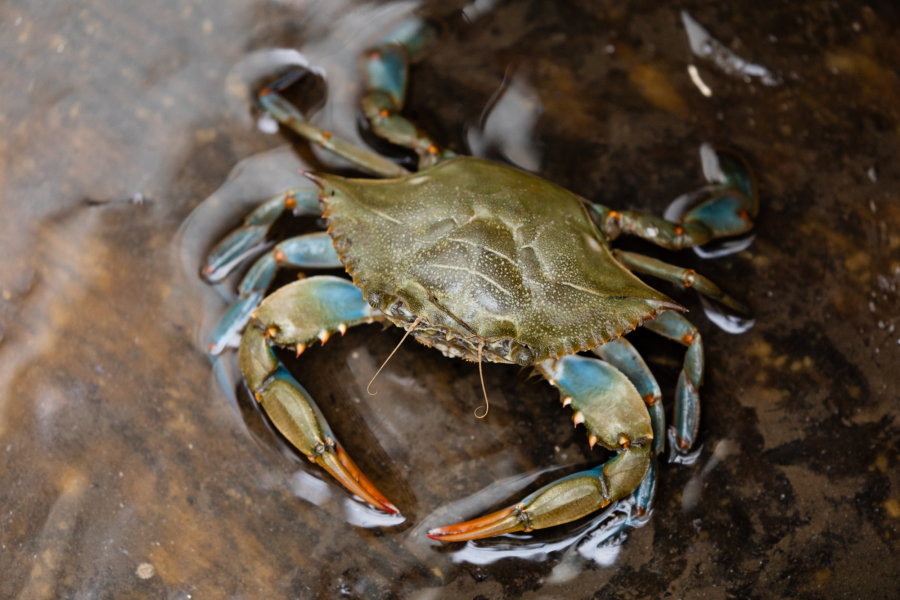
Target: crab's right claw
564, 500
321, 306
296, 416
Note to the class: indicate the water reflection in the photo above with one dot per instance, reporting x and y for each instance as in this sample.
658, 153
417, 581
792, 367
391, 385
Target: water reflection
598, 540
506, 128
694, 489
725, 319
333, 498
706, 46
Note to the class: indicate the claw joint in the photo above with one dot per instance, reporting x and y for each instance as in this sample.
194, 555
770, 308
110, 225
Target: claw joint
522, 517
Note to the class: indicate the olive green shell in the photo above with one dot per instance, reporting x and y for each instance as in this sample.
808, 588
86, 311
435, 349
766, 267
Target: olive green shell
484, 255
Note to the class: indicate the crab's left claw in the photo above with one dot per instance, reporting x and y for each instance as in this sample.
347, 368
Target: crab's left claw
565, 500
609, 405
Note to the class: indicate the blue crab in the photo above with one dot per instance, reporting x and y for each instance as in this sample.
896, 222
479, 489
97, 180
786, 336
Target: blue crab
486, 263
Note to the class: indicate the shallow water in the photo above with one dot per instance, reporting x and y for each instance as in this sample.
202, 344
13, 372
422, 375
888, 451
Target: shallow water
133, 467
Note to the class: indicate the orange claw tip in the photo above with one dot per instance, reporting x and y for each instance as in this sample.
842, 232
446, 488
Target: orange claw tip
380, 502
342, 328
300, 349
350, 477
567, 400
503, 521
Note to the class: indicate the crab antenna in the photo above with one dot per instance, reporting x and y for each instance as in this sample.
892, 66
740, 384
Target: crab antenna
487, 405
408, 331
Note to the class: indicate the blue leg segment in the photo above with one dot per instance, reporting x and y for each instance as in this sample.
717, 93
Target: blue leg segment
289, 116
675, 327
386, 73
686, 277
313, 250
250, 237
622, 355
730, 209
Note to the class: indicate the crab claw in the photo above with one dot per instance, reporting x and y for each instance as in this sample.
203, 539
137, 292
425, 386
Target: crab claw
613, 412
333, 459
373, 493
562, 501
297, 417
322, 304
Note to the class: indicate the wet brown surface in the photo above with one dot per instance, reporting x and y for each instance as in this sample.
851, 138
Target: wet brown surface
128, 473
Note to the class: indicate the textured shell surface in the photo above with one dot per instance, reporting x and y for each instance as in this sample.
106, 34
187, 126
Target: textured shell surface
485, 256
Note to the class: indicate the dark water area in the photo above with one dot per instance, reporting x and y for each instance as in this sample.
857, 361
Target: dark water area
131, 466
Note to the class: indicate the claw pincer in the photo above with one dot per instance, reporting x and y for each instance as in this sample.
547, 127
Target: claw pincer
613, 411
290, 407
